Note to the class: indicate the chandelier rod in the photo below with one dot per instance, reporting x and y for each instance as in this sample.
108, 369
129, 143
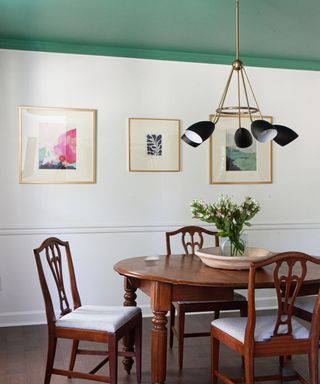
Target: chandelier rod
246, 93
254, 96
223, 97
239, 99
237, 30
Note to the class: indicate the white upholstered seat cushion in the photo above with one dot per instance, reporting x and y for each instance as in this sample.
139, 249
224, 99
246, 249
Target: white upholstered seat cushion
235, 327
305, 302
98, 318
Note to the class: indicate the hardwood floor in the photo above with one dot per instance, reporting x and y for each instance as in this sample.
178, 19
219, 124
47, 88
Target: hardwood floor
23, 356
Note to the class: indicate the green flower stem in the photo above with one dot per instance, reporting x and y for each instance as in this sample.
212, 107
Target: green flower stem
237, 246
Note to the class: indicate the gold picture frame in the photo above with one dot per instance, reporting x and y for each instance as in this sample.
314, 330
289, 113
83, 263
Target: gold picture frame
153, 145
57, 145
232, 165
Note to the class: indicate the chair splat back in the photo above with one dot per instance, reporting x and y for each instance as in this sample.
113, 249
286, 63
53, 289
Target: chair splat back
192, 238
287, 288
195, 242
54, 251
290, 269
53, 256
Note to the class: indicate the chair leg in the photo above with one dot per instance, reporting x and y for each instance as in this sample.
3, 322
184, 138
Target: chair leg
113, 359
172, 321
181, 320
244, 309
73, 356
216, 314
214, 359
281, 366
52, 345
249, 369
243, 313
138, 350
313, 364
281, 361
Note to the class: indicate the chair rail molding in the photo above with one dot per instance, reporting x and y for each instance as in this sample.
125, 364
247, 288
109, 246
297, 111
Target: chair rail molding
96, 229
19, 235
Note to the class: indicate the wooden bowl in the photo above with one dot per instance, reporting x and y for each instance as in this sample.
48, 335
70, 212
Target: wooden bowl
212, 258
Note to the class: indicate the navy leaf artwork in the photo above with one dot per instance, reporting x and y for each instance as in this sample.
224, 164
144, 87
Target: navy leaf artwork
154, 145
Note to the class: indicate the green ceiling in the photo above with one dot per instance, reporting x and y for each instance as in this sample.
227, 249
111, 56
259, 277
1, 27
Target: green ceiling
273, 33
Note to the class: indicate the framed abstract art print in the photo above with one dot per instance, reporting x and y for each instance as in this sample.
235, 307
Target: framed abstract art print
232, 165
57, 145
154, 145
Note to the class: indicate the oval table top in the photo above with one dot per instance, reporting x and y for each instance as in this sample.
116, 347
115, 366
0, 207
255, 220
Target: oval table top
189, 270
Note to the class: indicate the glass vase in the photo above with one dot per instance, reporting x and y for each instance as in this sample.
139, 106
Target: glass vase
228, 248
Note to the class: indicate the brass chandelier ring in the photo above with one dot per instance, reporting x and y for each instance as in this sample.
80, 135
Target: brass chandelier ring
234, 110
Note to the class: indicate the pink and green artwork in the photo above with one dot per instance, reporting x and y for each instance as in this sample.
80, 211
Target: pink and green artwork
57, 147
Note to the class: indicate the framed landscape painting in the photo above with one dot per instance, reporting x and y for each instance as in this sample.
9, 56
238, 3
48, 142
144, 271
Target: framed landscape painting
232, 165
57, 145
154, 145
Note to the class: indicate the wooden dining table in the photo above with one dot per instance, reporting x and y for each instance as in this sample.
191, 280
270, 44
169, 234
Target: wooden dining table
184, 278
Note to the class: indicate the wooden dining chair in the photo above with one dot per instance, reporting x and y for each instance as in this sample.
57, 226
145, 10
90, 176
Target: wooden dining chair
280, 334
192, 238
100, 324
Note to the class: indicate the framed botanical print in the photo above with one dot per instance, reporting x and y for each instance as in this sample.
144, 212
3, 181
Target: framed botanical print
57, 145
154, 145
232, 165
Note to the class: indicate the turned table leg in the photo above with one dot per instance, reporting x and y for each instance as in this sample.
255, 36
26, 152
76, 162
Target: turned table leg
128, 341
161, 301
159, 347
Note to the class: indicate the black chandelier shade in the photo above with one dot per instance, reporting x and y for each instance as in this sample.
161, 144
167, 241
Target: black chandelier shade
263, 131
198, 132
242, 138
285, 135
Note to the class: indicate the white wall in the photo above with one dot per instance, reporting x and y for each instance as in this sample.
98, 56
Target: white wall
126, 214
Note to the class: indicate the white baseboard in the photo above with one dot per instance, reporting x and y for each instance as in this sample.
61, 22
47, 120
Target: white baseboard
13, 319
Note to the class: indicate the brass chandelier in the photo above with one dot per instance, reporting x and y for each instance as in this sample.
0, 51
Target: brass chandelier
261, 130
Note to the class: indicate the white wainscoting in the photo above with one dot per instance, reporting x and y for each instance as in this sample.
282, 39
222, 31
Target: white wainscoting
96, 249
